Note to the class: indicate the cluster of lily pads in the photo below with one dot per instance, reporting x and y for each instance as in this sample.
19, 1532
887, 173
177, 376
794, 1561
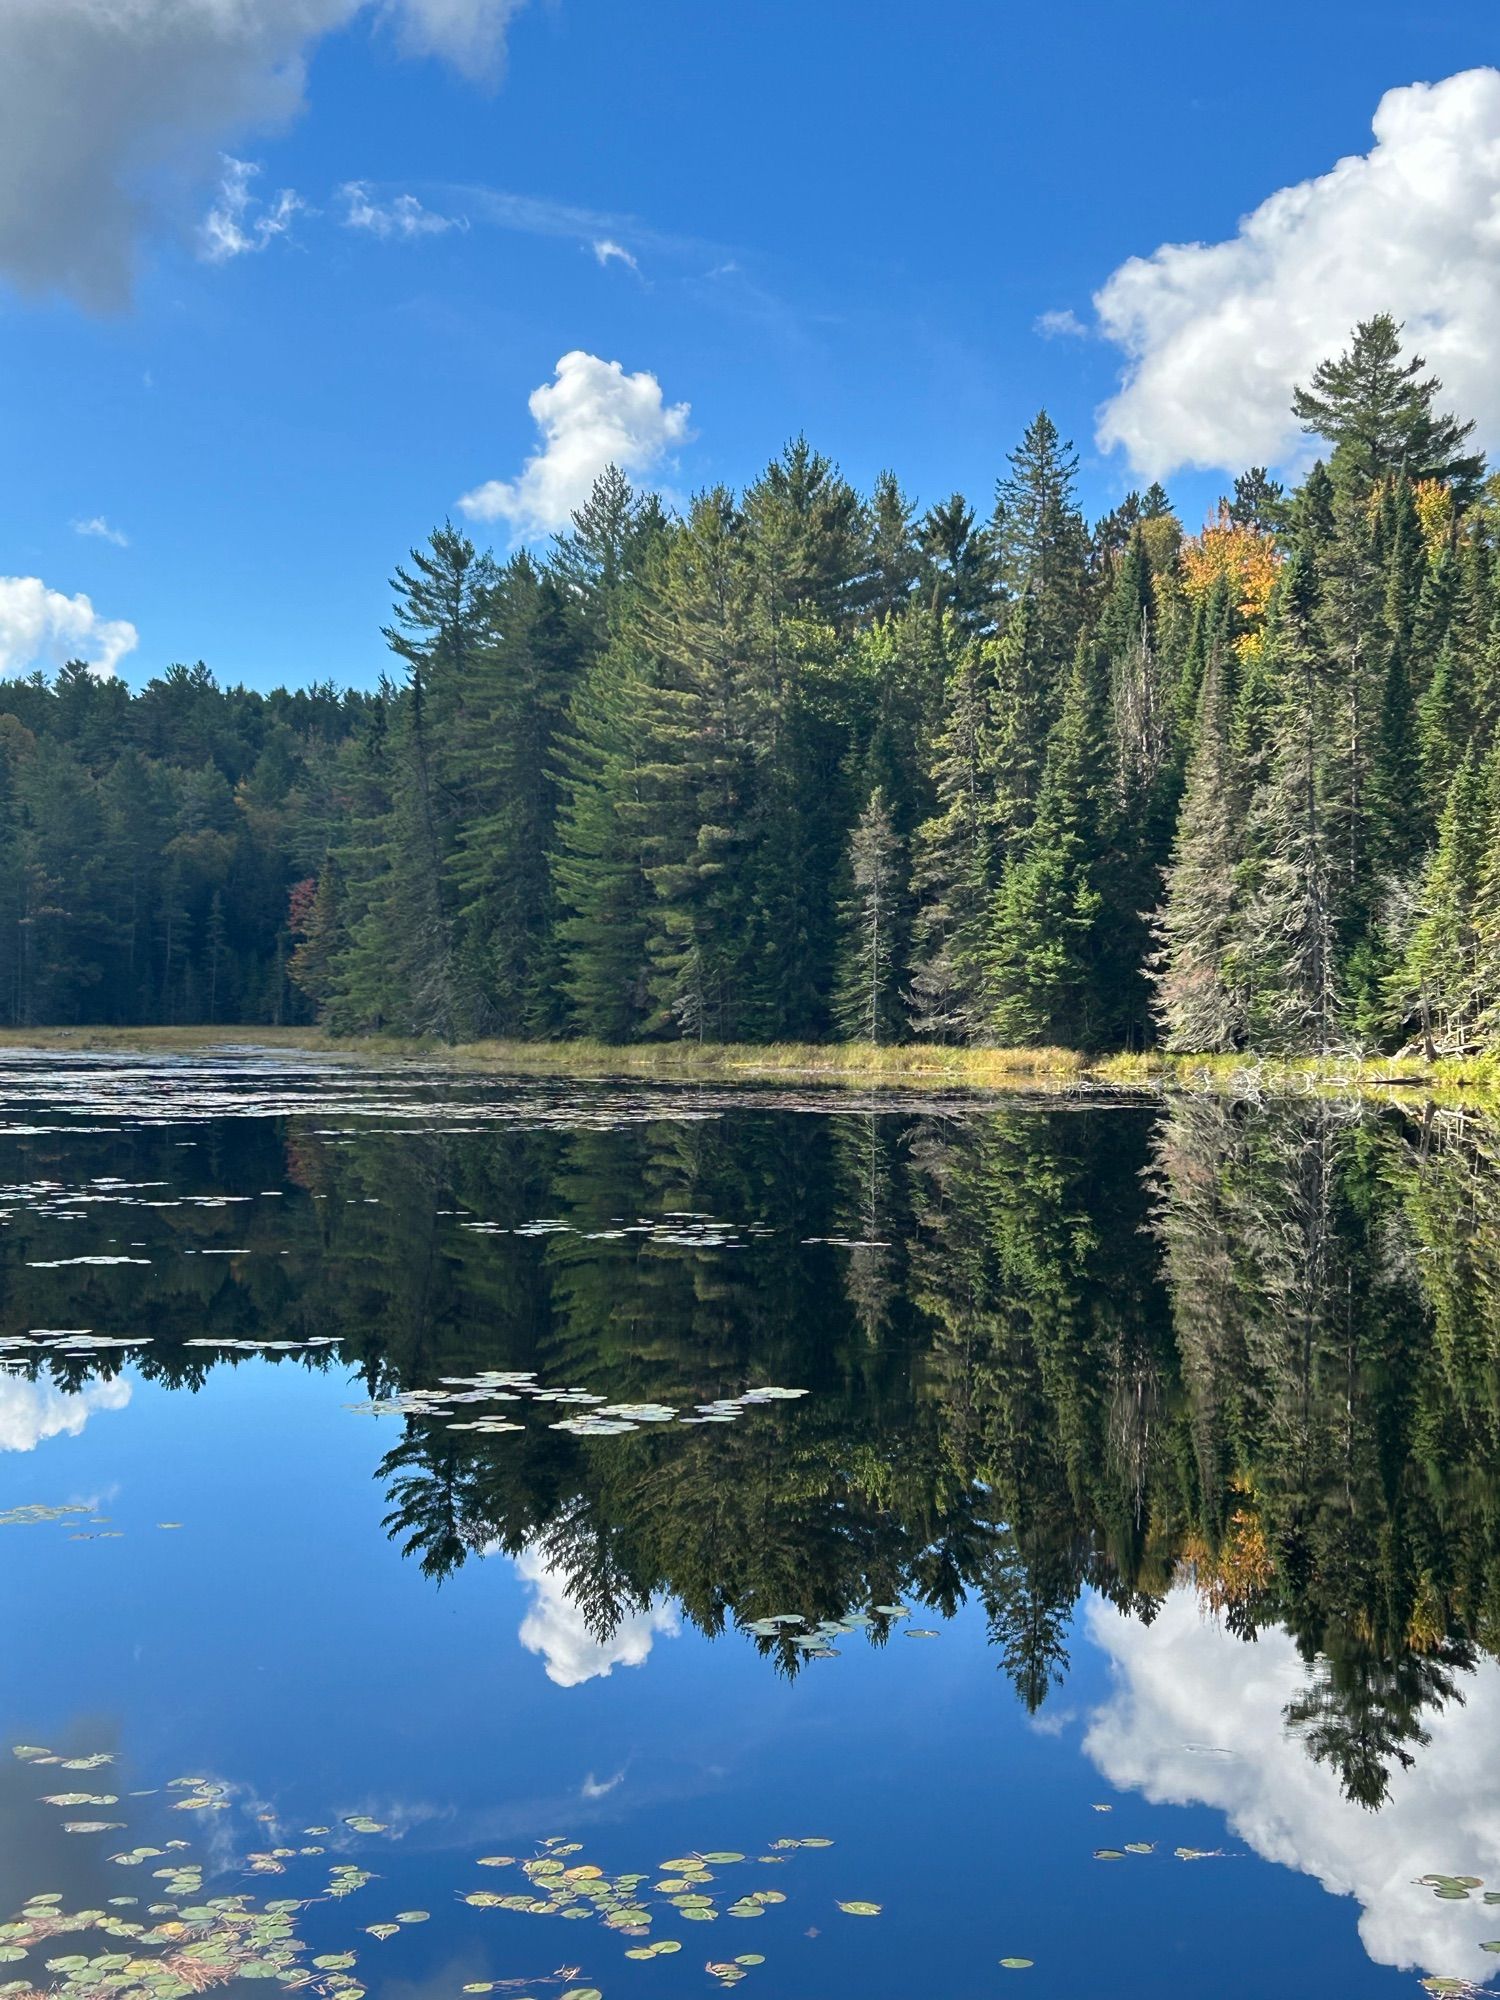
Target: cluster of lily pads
173, 1940
1458, 1889
558, 1885
597, 1416
684, 1229
817, 1641
74, 1343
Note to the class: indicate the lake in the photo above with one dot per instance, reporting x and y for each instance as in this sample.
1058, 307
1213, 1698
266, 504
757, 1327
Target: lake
464, 1534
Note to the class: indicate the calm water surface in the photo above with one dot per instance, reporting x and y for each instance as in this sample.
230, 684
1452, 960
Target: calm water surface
393, 1513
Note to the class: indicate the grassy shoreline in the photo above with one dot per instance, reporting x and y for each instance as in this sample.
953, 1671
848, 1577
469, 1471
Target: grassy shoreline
909, 1066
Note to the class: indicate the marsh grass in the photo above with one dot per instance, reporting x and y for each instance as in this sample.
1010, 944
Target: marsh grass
908, 1065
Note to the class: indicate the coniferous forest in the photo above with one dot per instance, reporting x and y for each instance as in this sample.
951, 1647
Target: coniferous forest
804, 764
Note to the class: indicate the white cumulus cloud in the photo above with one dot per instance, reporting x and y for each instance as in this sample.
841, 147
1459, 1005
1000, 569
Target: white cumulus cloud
555, 1628
31, 1412
1215, 335
43, 628
239, 221
402, 215
590, 415
100, 530
111, 110
1196, 1718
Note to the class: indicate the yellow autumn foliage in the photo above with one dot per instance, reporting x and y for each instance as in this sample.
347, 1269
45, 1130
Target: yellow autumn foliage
1242, 1569
1243, 556
1434, 505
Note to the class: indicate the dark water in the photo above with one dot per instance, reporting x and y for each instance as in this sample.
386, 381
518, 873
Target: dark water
1167, 1435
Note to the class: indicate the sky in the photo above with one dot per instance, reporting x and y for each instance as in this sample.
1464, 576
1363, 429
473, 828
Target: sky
284, 283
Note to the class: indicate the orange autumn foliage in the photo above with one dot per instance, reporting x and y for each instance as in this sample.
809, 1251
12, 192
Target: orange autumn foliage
1246, 558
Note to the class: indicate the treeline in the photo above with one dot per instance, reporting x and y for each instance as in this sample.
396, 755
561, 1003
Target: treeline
804, 764
148, 844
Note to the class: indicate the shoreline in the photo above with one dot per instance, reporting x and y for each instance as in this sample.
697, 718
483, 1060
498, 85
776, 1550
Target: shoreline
899, 1066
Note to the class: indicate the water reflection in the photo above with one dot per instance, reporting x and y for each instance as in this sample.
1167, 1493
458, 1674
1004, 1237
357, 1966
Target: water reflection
1198, 1718
1220, 1360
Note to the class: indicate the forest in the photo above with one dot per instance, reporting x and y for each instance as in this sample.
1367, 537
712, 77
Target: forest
802, 764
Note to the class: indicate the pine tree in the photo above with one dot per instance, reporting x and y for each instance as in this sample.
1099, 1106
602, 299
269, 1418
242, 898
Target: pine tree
894, 563
499, 764
959, 572
1376, 410
697, 774
1259, 502
441, 631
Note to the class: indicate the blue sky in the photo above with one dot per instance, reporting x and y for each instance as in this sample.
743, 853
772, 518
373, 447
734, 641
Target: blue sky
844, 218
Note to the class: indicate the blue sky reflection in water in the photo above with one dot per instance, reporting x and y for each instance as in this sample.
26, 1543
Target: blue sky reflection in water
539, 1668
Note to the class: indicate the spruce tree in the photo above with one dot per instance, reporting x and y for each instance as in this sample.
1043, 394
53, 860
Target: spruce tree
953, 872
1438, 988
1043, 544
1289, 926
1200, 1000
867, 1002
1050, 948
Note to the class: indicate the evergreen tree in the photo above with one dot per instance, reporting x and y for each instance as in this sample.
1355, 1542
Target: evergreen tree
1049, 948
867, 1004
1289, 929
697, 774
1438, 988
1200, 1001
954, 869
1376, 410
959, 572
1043, 544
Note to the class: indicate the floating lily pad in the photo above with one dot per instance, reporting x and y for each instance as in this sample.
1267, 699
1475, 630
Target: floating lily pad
861, 1909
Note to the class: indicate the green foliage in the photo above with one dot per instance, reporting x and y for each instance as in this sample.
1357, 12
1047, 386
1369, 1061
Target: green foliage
645, 784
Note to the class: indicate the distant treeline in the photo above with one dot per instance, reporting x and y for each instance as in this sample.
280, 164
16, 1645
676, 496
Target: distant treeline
803, 764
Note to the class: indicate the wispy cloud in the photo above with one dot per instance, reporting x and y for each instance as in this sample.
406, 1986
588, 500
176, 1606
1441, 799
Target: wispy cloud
100, 529
536, 215
600, 1788
1060, 324
240, 223
401, 215
608, 251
